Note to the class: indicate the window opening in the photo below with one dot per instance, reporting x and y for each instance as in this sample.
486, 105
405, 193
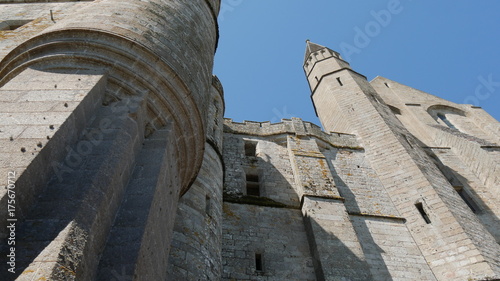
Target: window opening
340, 82
207, 205
386, 85
250, 148
12, 24
395, 110
253, 187
446, 121
258, 262
420, 208
458, 186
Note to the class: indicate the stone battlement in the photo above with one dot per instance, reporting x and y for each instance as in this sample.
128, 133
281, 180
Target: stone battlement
294, 126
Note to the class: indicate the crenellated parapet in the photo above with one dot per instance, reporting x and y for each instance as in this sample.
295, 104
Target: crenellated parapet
294, 126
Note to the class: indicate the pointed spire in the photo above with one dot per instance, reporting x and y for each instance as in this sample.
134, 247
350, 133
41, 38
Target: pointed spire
311, 48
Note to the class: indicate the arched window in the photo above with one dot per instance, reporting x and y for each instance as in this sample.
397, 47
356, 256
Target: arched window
451, 117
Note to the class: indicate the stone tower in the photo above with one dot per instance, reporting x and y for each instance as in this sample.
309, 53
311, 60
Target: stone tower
437, 161
118, 164
400, 185
107, 107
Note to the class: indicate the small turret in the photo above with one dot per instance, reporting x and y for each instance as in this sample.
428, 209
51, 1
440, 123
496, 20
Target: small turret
319, 61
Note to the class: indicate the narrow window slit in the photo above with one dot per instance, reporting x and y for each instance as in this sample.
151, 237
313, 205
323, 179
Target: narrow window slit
340, 82
424, 215
207, 205
258, 262
387, 85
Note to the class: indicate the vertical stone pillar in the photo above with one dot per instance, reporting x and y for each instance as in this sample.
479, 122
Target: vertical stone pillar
333, 241
197, 238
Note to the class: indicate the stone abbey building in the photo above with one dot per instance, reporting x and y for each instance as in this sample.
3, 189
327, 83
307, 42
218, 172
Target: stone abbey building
117, 163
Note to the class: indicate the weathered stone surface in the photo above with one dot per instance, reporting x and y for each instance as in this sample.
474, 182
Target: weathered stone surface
196, 249
107, 103
112, 128
395, 123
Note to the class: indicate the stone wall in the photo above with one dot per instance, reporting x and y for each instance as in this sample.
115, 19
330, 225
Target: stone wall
196, 245
109, 103
347, 215
277, 234
452, 240
197, 238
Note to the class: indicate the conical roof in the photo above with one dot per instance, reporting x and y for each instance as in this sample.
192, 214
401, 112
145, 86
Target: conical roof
311, 48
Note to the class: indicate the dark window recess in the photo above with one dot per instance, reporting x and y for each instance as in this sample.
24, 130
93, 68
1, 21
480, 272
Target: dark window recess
258, 262
395, 110
467, 199
250, 148
340, 82
420, 208
386, 85
446, 121
253, 187
207, 205
12, 24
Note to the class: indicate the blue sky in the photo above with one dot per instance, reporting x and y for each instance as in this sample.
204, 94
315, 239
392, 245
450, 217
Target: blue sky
446, 48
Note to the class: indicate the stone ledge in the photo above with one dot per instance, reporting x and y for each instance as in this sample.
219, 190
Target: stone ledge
377, 216
255, 200
332, 197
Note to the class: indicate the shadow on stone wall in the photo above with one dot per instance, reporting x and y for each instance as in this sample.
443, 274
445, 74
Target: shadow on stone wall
470, 196
348, 265
54, 211
369, 246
